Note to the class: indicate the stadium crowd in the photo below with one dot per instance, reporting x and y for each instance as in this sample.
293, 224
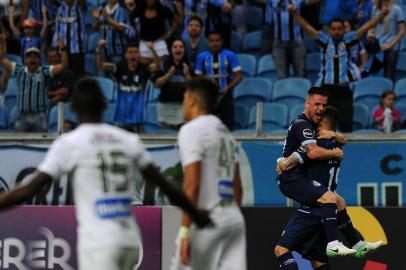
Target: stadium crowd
142, 52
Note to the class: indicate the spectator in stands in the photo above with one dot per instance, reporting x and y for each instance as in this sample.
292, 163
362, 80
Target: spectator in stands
114, 23
288, 46
32, 81
390, 32
200, 9
336, 70
29, 38
195, 42
12, 43
386, 117
70, 26
358, 54
35, 6
363, 12
131, 80
219, 17
222, 66
171, 79
153, 18
59, 85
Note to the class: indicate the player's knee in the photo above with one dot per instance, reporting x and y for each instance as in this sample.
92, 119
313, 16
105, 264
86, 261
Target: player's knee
279, 251
341, 204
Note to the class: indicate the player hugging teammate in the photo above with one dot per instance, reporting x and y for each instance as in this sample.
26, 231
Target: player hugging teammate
308, 173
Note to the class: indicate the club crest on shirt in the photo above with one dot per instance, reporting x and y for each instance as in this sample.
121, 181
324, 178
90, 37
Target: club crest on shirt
307, 133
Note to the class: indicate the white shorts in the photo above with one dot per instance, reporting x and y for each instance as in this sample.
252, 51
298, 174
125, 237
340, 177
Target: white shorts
221, 248
110, 259
160, 47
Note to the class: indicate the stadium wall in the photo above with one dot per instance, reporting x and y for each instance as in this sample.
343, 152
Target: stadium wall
44, 237
372, 173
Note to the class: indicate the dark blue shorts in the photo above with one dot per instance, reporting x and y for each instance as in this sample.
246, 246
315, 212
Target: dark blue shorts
302, 189
304, 234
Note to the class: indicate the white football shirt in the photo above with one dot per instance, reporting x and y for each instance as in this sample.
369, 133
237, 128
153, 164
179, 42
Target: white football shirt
207, 140
104, 160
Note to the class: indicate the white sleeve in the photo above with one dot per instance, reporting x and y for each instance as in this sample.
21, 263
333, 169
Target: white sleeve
58, 160
142, 157
190, 147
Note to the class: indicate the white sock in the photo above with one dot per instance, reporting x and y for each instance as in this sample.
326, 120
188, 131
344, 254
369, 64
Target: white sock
356, 246
333, 244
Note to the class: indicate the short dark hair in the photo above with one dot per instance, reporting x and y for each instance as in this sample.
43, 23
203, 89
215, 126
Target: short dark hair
332, 115
132, 44
385, 94
206, 90
195, 18
215, 32
314, 90
336, 20
88, 98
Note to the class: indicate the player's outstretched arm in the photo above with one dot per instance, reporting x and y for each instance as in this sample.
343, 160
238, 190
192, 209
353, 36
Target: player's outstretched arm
24, 192
329, 134
314, 151
176, 196
237, 187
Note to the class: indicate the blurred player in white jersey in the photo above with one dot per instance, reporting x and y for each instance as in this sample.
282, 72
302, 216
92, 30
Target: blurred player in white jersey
104, 160
209, 158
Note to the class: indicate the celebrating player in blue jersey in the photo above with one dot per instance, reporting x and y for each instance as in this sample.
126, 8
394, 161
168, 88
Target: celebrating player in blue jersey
298, 185
303, 231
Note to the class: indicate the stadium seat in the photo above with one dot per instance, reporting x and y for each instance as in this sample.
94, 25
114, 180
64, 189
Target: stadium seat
151, 124
266, 68
400, 131
53, 117
275, 116
295, 111
250, 131
313, 65
401, 107
368, 91
107, 87
254, 18
367, 131
10, 96
235, 42
109, 114
400, 90
360, 116
291, 91
248, 64
282, 131
241, 114
92, 42
253, 90
252, 42
90, 64
401, 66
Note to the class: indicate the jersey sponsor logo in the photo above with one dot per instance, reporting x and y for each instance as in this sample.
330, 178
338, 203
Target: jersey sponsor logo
225, 189
316, 184
113, 208
307, 133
